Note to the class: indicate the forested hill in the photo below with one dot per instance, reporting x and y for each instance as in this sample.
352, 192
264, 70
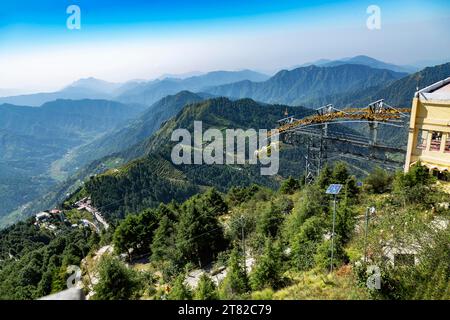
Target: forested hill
62, 118
306, 84
153, 178
398, 93
138, 129
401, 92
32, 139
198, 248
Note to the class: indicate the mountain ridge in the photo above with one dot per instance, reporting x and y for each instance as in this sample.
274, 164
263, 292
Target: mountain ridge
294, 87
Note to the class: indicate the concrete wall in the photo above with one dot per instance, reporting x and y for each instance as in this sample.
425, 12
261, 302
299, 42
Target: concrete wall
429, 116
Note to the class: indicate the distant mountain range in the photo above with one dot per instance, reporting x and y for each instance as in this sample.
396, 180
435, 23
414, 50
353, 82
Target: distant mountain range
363, 60
150, 92
301, 85
40, 146
398, 93
135, 91
82, 89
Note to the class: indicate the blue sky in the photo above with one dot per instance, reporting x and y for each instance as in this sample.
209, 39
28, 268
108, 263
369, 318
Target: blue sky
122, 40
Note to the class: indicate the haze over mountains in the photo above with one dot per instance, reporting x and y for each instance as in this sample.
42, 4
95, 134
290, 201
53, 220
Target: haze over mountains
301, 85
32, 139
135, 131
363, 60
146, 92
41, 146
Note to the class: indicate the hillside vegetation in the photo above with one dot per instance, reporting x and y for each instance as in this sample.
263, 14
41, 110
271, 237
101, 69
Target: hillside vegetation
153, 177
283, 236
34, 139
306, 84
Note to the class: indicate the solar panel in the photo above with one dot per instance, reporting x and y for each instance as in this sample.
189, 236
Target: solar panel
334, 189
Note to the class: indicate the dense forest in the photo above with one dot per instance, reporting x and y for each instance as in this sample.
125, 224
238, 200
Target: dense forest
253, 243
153, 178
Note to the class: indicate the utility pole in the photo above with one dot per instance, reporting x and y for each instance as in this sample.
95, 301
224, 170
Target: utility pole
85, 257
243, 237
370, 210
333, 189
332, 234
365, 234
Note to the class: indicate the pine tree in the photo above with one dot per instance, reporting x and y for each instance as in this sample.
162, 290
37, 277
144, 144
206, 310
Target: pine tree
378, 181
289, 186
214, 201
340, 173
206, 289
162, 240
322, 258
270, 221
325, 177
135, 233
199, 236
180, 291
268, 269
305, 241
350, 188
116, 281
45, 285
236, 281
345, 221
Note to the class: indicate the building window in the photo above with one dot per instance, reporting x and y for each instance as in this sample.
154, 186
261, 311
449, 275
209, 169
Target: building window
447, 143
436, 138
422, 136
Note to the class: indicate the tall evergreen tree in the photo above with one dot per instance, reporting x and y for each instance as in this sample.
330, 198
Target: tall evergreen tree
180, 291
325, 177
213, 200
116, 281
162, 243
199, 236
289, 186
236, 281
268, 269
206, 289
340, 173
270, 221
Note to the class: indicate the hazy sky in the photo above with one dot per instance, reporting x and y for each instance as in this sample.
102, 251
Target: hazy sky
122, 40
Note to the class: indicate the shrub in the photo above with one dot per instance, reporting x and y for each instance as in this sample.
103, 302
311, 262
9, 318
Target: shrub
378, 181
206, 289
236, 280
116, 281
180, 291
289, 186
322, 258
268, 269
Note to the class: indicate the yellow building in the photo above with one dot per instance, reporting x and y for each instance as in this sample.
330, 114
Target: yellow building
429, 129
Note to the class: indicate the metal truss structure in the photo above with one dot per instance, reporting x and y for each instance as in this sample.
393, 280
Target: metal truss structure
322, 143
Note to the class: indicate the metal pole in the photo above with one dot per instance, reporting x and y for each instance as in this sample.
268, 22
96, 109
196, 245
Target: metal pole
243, 237
365, 234
332, 235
